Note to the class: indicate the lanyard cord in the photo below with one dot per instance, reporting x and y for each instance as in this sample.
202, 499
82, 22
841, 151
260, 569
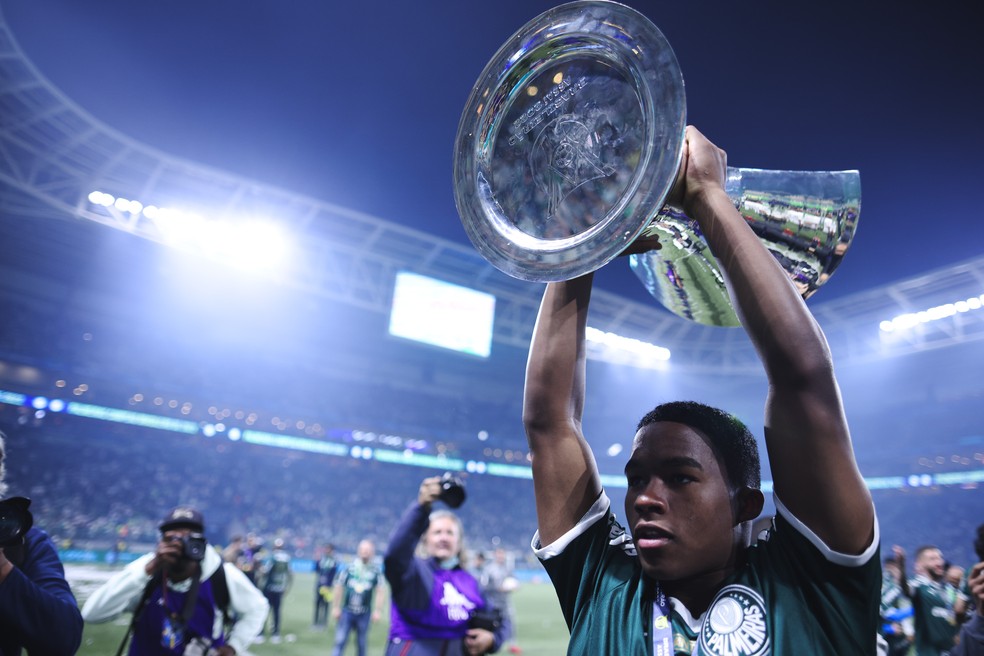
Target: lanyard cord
190, 598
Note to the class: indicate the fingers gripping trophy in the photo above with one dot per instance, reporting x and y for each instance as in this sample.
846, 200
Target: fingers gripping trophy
568, 150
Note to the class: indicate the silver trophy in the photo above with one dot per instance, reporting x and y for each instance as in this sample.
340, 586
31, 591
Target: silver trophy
570, 142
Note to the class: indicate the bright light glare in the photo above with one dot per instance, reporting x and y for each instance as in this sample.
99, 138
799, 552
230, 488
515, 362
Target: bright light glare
255, 244
912, 319
635, 347
252, 244
101, 198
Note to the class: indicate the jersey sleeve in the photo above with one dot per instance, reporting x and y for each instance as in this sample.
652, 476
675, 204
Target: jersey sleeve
581, 560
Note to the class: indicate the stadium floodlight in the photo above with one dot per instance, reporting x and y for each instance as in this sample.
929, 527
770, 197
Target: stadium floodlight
249, 243
910, 320
617, 349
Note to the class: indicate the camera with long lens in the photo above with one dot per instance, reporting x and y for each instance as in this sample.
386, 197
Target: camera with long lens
15, 520
192, 546
452, 490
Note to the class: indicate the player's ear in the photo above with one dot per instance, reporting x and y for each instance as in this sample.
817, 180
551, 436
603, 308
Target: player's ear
748, 504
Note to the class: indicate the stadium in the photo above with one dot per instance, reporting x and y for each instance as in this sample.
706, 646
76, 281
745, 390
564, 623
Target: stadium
292, 388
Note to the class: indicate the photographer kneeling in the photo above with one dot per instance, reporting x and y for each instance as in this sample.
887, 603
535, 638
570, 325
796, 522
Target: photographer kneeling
181, 596
437, 606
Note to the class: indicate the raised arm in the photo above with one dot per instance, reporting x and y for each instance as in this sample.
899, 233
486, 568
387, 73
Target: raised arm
806, 433
565, 476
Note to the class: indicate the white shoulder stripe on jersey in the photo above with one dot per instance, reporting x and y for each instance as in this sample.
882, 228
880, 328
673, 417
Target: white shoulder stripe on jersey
595, 513
845, 560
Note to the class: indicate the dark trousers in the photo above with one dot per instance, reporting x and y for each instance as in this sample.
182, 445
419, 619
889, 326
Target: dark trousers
320, 609
274, 599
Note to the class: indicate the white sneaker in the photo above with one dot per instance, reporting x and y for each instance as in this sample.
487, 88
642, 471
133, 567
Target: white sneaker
275, 640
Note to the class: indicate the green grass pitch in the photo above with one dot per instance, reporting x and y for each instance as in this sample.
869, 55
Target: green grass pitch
540, 625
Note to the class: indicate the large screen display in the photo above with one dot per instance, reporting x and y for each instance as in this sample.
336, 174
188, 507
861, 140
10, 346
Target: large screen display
442, 314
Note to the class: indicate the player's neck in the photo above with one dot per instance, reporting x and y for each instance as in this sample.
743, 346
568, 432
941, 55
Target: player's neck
697, 592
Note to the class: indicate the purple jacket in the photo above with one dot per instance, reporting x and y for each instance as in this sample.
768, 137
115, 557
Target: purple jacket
430, 603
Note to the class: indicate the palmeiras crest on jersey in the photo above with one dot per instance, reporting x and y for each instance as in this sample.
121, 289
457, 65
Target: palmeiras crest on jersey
735, 624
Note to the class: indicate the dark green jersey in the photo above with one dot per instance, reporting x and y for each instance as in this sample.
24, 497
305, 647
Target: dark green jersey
793, 596
359, 581
936, 623
277, 572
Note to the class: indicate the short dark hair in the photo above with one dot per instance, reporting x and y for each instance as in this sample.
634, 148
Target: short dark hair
732, 442
979, 543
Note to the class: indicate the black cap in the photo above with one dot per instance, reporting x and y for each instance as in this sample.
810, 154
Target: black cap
183, 517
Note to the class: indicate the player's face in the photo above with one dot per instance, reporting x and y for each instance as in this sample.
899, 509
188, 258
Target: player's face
932, 563
678, 504
442, 539
366, 551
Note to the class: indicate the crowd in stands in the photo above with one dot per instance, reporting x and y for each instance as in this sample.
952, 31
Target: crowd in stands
100, 483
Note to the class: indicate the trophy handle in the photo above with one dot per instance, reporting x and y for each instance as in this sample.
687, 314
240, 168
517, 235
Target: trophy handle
806, 219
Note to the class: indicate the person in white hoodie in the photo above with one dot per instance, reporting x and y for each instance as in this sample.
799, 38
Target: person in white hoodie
182, 595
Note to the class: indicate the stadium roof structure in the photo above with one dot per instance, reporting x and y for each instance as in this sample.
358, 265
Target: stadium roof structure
53, 155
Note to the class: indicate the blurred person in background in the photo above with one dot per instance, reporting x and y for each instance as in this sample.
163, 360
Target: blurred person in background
437, 607
233, 550
180, 596
498, 581
935, 620
325, 569
955, 585
38, 612
250, 557
896, 609
358, 598
276, 577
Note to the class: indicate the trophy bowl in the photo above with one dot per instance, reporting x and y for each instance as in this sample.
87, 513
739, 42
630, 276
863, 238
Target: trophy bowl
570, 141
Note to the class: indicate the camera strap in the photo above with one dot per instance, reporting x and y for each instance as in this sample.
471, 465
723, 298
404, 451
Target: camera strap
160, 580
191, 598
154, 581
220, 591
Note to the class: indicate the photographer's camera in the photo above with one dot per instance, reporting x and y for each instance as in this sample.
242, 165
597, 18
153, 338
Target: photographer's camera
192, 545
15, 520
452, 490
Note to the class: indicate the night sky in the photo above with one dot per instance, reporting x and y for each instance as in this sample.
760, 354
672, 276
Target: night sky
357, 103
